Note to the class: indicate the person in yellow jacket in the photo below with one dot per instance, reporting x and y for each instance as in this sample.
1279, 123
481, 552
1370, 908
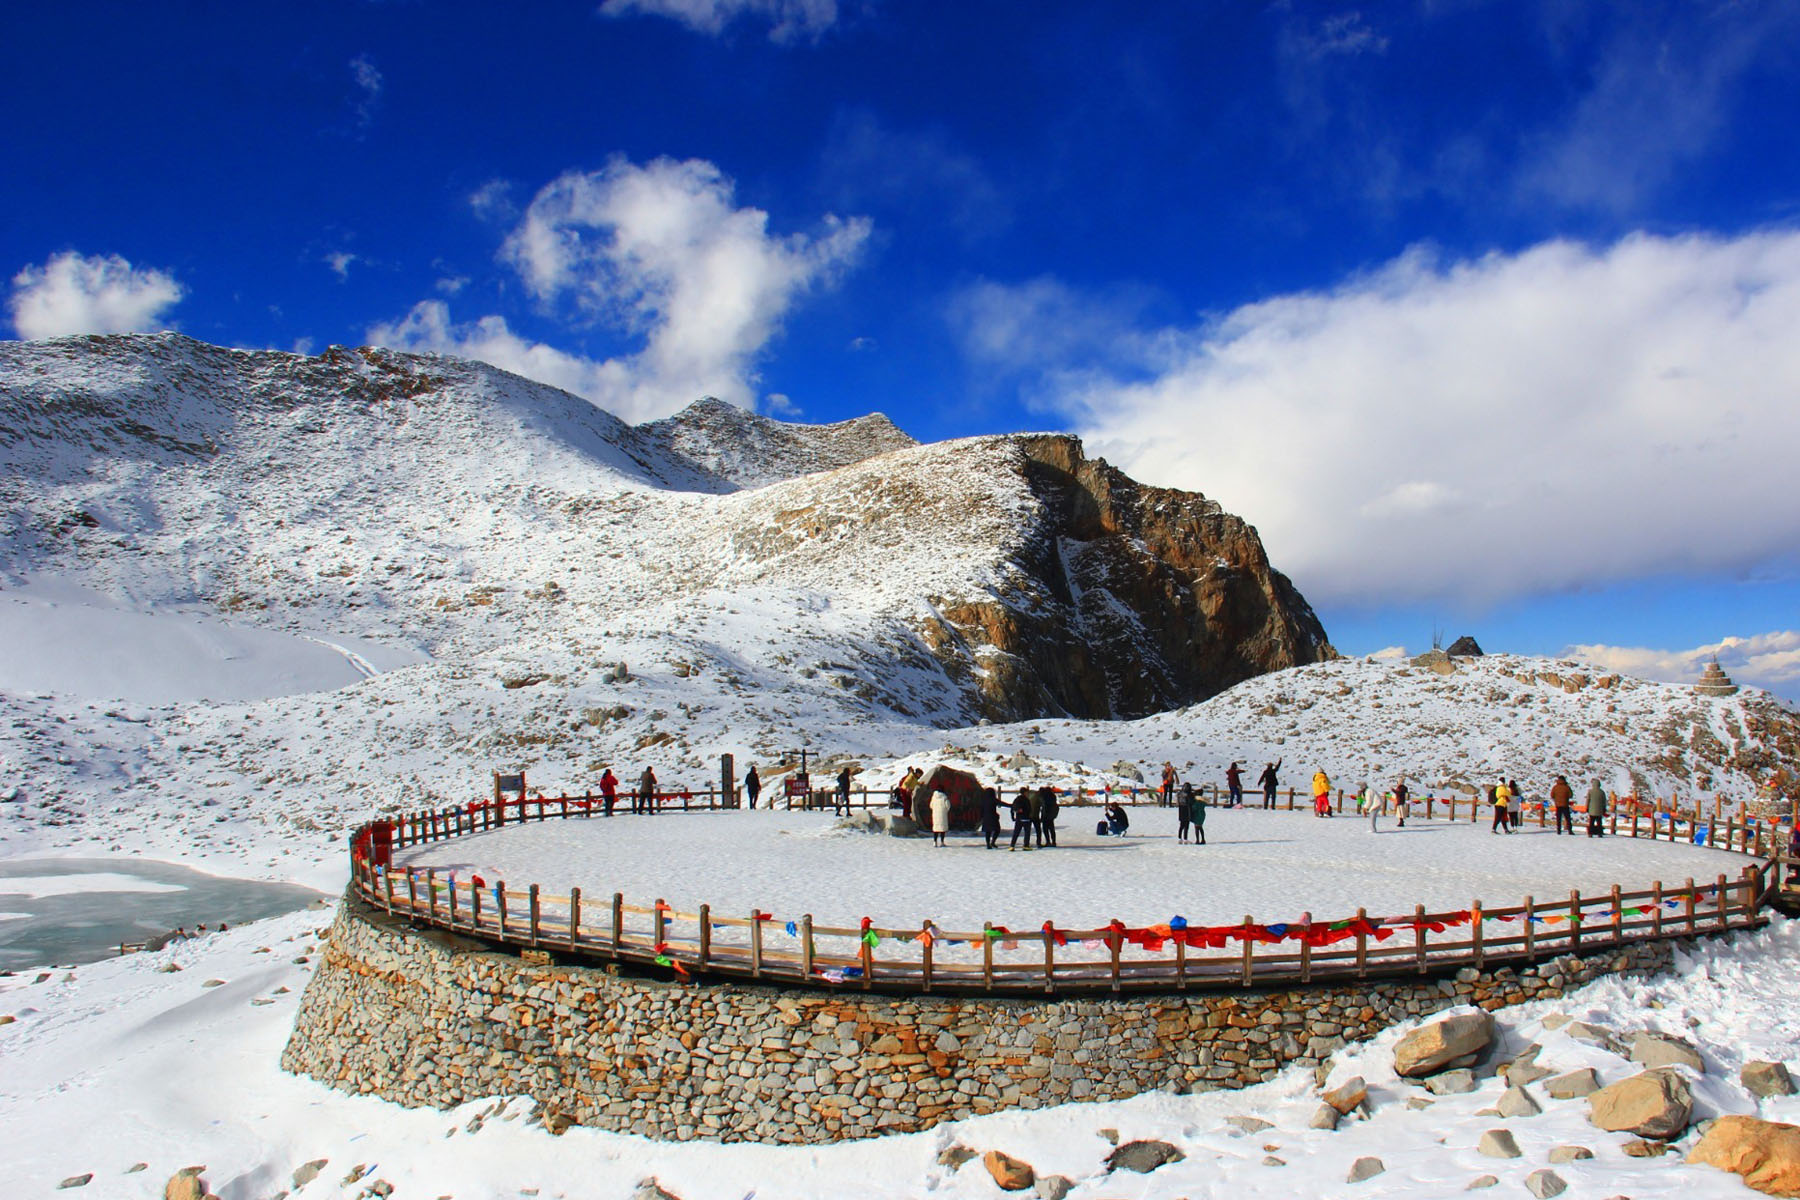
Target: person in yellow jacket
1499, 795
1321, 794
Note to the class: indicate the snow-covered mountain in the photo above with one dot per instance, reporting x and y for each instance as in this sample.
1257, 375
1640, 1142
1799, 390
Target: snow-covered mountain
377, 576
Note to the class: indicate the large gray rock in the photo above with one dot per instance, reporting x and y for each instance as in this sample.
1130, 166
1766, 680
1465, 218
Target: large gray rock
1524, 1069
1663, 1050
1651, 1104
1583, 1082
1594, 1035
1054, 1187
1766, 1079
1363, 1168
1325, 1117
1440, 1043
1498, 1143
1517, 1102
1450, 1083
1544, 1183
307, 1172
1143, 1157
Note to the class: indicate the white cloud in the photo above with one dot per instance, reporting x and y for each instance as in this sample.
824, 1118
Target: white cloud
493, 201
1769, 660
788, 19
660, 252
1389, 654
368, 85
1481, 430
74, 293
339, 261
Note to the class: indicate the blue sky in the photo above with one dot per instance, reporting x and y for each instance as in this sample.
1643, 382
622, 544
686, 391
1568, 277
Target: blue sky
1486, 314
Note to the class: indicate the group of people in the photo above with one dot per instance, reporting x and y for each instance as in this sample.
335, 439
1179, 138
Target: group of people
1033, 812
1268, 781
1507, 799
642, 801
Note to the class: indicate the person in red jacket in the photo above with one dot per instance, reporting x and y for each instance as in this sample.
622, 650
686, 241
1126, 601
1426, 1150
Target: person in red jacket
609, 789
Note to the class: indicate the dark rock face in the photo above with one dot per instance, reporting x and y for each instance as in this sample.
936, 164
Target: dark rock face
1139, 600
1464, 647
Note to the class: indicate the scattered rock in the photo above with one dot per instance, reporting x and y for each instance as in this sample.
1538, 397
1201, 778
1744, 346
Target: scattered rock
1438, 1044
1418, 1102
1498, 1143
75, 1181
1054, 1187
1366, 1167
1555, 1020
1517, 1102
1482, 1181
954, 1156
1350, 1095
1111, 1135
1639, 1148
1011, 1174
1524, 1069
134, 1168
1563, 1154
1142, 1157
1450, 1083
186, 1184
1573, 1085
1544, 1183
649, 1189
1663, 1050
1651, 1104
1269, 1160
214, 983
1765, 1153
1594, 1035
1249, 1124
1326, 1117
307, 1172
1766, 1079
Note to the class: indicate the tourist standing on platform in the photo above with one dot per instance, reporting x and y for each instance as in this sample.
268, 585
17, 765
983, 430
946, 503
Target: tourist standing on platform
990, 817
1402, 801
1169, 779
1321, 794
843, 793
609, 789
1234, 784
645, 800
1198, 815
1369, 804
1496, 795
940, 817
1562, 798
1047, 809
1270, 781
1515, 803
1184, 812
1596, 810
1024, 817
752, 785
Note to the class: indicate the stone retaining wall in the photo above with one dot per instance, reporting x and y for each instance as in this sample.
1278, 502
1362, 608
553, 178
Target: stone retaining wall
423, 1018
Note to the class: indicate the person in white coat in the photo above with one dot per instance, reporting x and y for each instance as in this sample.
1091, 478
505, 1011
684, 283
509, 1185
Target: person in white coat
940, 817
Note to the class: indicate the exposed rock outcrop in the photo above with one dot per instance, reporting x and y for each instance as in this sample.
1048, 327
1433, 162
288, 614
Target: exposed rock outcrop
1135, 599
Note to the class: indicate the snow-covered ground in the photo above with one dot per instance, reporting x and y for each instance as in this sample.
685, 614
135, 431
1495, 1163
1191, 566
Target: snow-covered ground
1273, 865
125, 1062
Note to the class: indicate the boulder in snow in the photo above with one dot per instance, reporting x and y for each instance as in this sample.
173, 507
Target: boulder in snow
1765, 1079
1431, 1046
1651, 1104
1010, 1173
1583, 1082
1663, 1050
1498, 1143
1143, 1157
1765, 1153
1544, 1183
1366, 1167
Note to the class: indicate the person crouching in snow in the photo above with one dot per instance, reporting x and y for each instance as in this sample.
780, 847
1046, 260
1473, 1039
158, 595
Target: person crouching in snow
1116, 820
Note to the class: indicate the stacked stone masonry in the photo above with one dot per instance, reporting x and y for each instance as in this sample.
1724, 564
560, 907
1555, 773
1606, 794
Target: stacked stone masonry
425, 1019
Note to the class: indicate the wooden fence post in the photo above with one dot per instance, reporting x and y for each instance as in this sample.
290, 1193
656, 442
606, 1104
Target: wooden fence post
1724, 909
756, 925
987, 954
500, 905
1249, 952
1656, 898
705, 933
533, 894
1362, 942
659, 923
474, 906
806, 946
618, 923
1419, 935
574, 915
452, 893
1574, 920
1691, 904
928, 939
1618, 910
1530, 932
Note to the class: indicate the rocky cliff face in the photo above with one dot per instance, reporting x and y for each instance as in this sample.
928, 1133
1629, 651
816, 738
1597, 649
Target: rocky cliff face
1132, 600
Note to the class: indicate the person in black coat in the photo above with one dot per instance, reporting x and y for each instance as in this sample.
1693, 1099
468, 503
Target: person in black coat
990, 817
843, 792
1269, 783
1046, 816
752, 785
1024, 815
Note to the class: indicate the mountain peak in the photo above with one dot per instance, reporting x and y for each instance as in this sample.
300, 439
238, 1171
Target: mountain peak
750, 450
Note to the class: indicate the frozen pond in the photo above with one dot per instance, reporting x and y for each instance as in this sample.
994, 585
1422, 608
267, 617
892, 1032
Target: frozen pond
76, 910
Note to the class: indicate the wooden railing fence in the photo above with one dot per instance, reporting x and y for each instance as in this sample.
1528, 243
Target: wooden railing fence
1174, 955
